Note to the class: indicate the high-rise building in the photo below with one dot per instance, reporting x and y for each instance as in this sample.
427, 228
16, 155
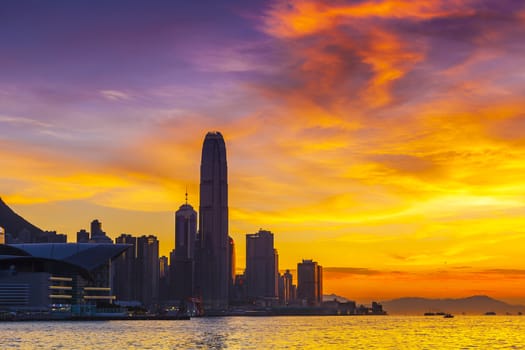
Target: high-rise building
163, 267
309, 282
97, 235
148, 269
261, 265
125, 280
213, 265
96, 228
163, 279
182, 268
82, 236
286, 295
231, 252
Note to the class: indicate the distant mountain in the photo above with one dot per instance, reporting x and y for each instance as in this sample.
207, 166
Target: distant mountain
16, 227
474, 305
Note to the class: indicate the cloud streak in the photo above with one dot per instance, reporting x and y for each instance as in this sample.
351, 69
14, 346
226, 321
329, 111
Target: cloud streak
384, 134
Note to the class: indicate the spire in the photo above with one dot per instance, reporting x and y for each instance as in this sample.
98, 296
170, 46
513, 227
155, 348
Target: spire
186, 194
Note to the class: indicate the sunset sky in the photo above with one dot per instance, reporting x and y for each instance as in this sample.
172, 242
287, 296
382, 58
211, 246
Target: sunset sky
384, 139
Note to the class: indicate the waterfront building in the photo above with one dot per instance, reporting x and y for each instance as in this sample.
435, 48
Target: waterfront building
68, 276
239, 290
286, 295
137, 271
125, 270
261, 266
182, 268
163, 279
213, 259
148, 270
309, 282
231, 252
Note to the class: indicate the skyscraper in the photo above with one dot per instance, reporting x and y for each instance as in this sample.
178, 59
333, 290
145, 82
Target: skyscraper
261, 265
182, 260
148, 269
213, 265
231, 268
310, 282
126, 274
97, 235
83, 236
286, 295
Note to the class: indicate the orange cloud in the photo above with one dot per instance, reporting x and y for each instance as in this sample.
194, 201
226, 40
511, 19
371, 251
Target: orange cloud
298, 18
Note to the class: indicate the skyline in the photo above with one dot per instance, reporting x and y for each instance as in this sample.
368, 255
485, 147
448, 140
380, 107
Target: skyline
380, 138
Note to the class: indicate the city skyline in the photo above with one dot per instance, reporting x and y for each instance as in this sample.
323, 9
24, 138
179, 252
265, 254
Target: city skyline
382, 139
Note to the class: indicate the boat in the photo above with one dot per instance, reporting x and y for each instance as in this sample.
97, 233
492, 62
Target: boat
448, 316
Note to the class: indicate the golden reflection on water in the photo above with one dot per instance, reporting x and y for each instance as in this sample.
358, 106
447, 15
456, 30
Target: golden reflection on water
358, 332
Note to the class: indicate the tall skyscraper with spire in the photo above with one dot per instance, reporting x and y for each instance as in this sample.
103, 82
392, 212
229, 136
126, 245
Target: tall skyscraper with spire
183, 257
213, 245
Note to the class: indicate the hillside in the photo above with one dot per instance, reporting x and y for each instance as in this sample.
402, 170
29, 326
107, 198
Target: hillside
16, 226
474, 305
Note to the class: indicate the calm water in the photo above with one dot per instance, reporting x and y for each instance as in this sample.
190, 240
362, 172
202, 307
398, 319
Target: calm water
390, 332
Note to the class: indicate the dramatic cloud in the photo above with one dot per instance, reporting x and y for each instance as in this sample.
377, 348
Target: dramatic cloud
381, 134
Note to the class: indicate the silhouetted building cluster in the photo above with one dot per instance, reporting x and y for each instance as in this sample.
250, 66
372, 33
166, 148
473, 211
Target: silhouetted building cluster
137, 271
201, 271
97, 235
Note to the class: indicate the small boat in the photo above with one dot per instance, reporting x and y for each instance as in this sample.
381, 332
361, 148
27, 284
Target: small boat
448, 316
429, 314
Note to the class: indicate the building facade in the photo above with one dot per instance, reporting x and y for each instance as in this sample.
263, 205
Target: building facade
125, 270
97, 234
148, 270
286, 294
261, 266
182, 268
213, 261
310, 282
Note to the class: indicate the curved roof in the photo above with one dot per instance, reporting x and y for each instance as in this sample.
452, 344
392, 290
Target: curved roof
6, 249
88, 256
52, 265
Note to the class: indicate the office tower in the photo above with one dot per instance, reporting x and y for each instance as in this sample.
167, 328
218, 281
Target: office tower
213, 266
125, 280
96, 228
82, 236
309, 282
287, 288
231, 252
148, 269
97, 235
163, 279
261, 265
182, 267
163, 266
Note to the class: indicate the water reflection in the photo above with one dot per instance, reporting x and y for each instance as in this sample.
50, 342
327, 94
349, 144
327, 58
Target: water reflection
271, 333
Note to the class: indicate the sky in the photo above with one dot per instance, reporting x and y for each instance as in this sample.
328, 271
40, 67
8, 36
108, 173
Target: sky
384, 139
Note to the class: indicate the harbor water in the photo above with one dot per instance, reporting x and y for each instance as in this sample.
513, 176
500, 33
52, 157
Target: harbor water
294, 332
